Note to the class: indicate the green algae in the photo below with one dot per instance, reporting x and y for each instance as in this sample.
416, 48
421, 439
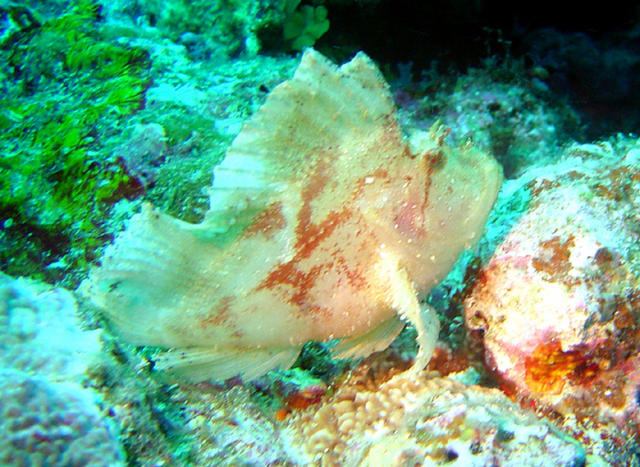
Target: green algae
65, 88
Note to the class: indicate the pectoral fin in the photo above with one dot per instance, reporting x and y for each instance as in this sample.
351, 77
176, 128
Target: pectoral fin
379, 338
199, 364
424, 319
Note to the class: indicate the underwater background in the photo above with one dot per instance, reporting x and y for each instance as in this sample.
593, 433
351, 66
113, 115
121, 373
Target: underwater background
108, 105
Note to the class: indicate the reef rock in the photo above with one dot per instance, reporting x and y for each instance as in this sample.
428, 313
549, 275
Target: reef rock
558, 303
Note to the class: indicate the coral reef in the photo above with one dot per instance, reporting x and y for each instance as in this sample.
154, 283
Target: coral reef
373, 411
212, 29
104, 103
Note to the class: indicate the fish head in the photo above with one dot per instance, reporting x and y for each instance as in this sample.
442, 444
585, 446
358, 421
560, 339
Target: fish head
443, 197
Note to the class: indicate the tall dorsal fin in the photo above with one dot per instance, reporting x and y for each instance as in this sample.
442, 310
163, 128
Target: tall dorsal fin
329, 113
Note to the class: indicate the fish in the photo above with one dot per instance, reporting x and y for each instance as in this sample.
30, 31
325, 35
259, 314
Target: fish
327, 221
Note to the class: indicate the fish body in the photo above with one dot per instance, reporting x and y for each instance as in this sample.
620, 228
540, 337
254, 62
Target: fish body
325, 222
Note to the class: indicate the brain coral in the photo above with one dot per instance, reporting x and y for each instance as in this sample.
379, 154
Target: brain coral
40, 331
46, 417
45, 423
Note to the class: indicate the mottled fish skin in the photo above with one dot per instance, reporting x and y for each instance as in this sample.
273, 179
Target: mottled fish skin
325, 222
